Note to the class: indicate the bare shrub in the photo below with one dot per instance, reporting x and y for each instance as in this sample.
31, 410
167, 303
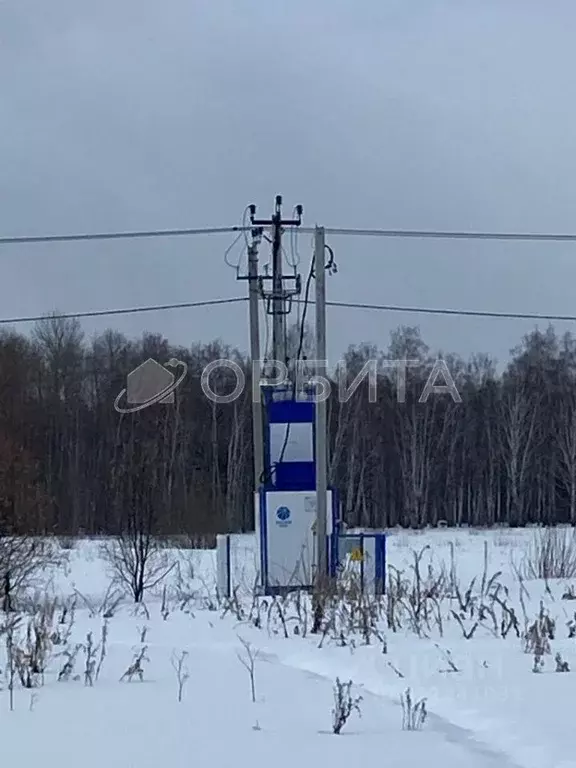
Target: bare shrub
551, 554
344, 704
21, 560
137, 561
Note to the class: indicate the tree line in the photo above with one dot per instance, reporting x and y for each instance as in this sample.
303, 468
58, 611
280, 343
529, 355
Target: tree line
70, 464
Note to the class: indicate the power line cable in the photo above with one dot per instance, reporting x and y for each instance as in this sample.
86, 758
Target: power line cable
267, 328
456, 312
389, 233
123, 311
235, 267
448, 235
337, 304
294, 260
137, 234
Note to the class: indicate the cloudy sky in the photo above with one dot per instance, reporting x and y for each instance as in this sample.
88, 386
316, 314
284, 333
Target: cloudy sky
417, 114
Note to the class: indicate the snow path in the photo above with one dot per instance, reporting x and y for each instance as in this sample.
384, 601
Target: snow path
452, 733
494, 712
139, 725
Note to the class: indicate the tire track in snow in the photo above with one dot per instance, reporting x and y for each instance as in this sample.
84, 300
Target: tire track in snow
452, 733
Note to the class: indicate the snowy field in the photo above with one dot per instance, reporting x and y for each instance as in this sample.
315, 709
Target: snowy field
464, 629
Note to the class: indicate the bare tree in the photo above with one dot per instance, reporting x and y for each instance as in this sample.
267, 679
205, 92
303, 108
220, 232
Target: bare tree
518, 427
565, 435
70, 464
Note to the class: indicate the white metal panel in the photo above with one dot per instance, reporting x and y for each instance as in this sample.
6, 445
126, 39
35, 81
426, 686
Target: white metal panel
369, 565
310, 503
299, 445
223, 564
290, 536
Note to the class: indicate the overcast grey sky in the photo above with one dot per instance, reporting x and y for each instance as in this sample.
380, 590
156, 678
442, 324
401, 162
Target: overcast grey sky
450, 114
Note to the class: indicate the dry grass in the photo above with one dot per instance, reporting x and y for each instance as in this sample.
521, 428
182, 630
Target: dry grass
551, 554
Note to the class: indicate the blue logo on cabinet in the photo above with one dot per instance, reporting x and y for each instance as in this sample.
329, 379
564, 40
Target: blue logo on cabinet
283, 516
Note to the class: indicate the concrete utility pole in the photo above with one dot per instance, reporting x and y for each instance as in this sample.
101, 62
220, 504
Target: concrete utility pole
321, 407
257, 423
278, 317
279, 293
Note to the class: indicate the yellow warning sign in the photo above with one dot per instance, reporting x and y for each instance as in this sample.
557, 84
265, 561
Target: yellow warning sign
356, 556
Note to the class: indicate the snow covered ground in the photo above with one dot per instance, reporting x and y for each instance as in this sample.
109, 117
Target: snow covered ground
486, 707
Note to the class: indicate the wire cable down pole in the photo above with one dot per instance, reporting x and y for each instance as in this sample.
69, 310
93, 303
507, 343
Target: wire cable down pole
320, 406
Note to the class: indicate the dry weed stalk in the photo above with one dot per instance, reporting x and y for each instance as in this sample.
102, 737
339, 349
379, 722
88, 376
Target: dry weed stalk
103, 648
248, 660
136, 668
182, 672
31, 654
71, 655
344, 705
414, 714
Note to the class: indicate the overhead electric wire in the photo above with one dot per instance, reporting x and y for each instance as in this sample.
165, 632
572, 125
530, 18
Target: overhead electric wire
267, 331
119, 235
389, 233
306, 303
449, 235
122, 311
457, 312
294, 261
336, 304
228, 250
